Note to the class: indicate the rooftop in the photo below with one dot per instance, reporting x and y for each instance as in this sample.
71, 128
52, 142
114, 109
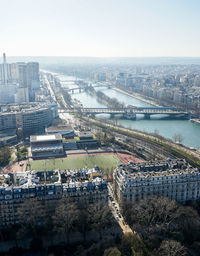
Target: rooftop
59, 128
157, 168
85, 134
23, 108
66, 178
40, 138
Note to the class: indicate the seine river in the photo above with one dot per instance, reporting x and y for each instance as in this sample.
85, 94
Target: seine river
167, 128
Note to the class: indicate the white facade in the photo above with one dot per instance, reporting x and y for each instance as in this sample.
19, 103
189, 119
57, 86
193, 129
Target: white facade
176, 180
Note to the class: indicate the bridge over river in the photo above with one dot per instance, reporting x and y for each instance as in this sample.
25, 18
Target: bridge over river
84, 87
130, 112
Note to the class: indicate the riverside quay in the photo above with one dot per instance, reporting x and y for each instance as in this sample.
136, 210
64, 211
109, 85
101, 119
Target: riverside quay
175, 179
85, 184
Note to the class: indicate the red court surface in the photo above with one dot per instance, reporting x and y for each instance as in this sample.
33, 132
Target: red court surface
126, 158
16, 167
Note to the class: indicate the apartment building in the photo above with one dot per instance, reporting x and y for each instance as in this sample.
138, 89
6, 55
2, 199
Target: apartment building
33, 118
7, 121
175, 179
49, 186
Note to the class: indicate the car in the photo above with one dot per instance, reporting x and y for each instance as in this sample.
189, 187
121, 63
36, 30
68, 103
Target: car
21, 164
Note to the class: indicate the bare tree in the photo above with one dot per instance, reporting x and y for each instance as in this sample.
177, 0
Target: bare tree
178, 138
159, 218
32, 221
132, 244
83, 224
32, 216
100, 218
112, 252
66, 214
171, 248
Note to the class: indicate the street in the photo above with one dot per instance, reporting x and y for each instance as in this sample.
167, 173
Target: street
112, 202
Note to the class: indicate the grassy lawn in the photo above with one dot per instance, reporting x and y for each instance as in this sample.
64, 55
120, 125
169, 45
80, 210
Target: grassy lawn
105, 162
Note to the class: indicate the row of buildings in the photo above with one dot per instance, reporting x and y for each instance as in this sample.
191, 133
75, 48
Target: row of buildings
31, 118
18, 81
175, 179
85, 184
171, 84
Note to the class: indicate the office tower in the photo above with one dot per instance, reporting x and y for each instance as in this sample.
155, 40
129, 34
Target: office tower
33, 80
22, 72
7, 88
14, 72
29, 77
8, 72
4, 71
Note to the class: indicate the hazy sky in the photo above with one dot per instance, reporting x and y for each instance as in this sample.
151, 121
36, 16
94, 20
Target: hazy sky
102, 28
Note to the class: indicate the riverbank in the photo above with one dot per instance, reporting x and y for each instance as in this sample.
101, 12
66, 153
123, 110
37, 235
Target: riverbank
166, 128
137, 96
179, 151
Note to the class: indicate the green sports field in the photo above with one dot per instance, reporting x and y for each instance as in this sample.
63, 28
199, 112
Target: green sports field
107, 163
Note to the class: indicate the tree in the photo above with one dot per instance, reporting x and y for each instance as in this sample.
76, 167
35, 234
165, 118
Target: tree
159, 218
187, 219
171, 248
5, 155
32, 220
132, 245
156, 132
99, 136
151, 212
178, 138
112, 252
83, 224
20, 134
79, 251
22, 153
100, 218
66, 214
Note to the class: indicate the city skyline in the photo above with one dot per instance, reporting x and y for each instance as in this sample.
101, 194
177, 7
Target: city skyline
100, 28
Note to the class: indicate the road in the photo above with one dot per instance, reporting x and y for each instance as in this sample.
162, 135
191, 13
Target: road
46, 81
112, 202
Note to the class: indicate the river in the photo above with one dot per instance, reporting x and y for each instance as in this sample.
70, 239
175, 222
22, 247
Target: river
167, 128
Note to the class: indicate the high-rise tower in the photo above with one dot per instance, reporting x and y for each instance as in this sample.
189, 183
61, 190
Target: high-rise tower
5, 70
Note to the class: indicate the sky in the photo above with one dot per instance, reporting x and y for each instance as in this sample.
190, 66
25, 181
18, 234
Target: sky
100, 28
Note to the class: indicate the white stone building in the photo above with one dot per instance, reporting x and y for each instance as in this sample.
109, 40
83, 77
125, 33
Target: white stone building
174, 179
